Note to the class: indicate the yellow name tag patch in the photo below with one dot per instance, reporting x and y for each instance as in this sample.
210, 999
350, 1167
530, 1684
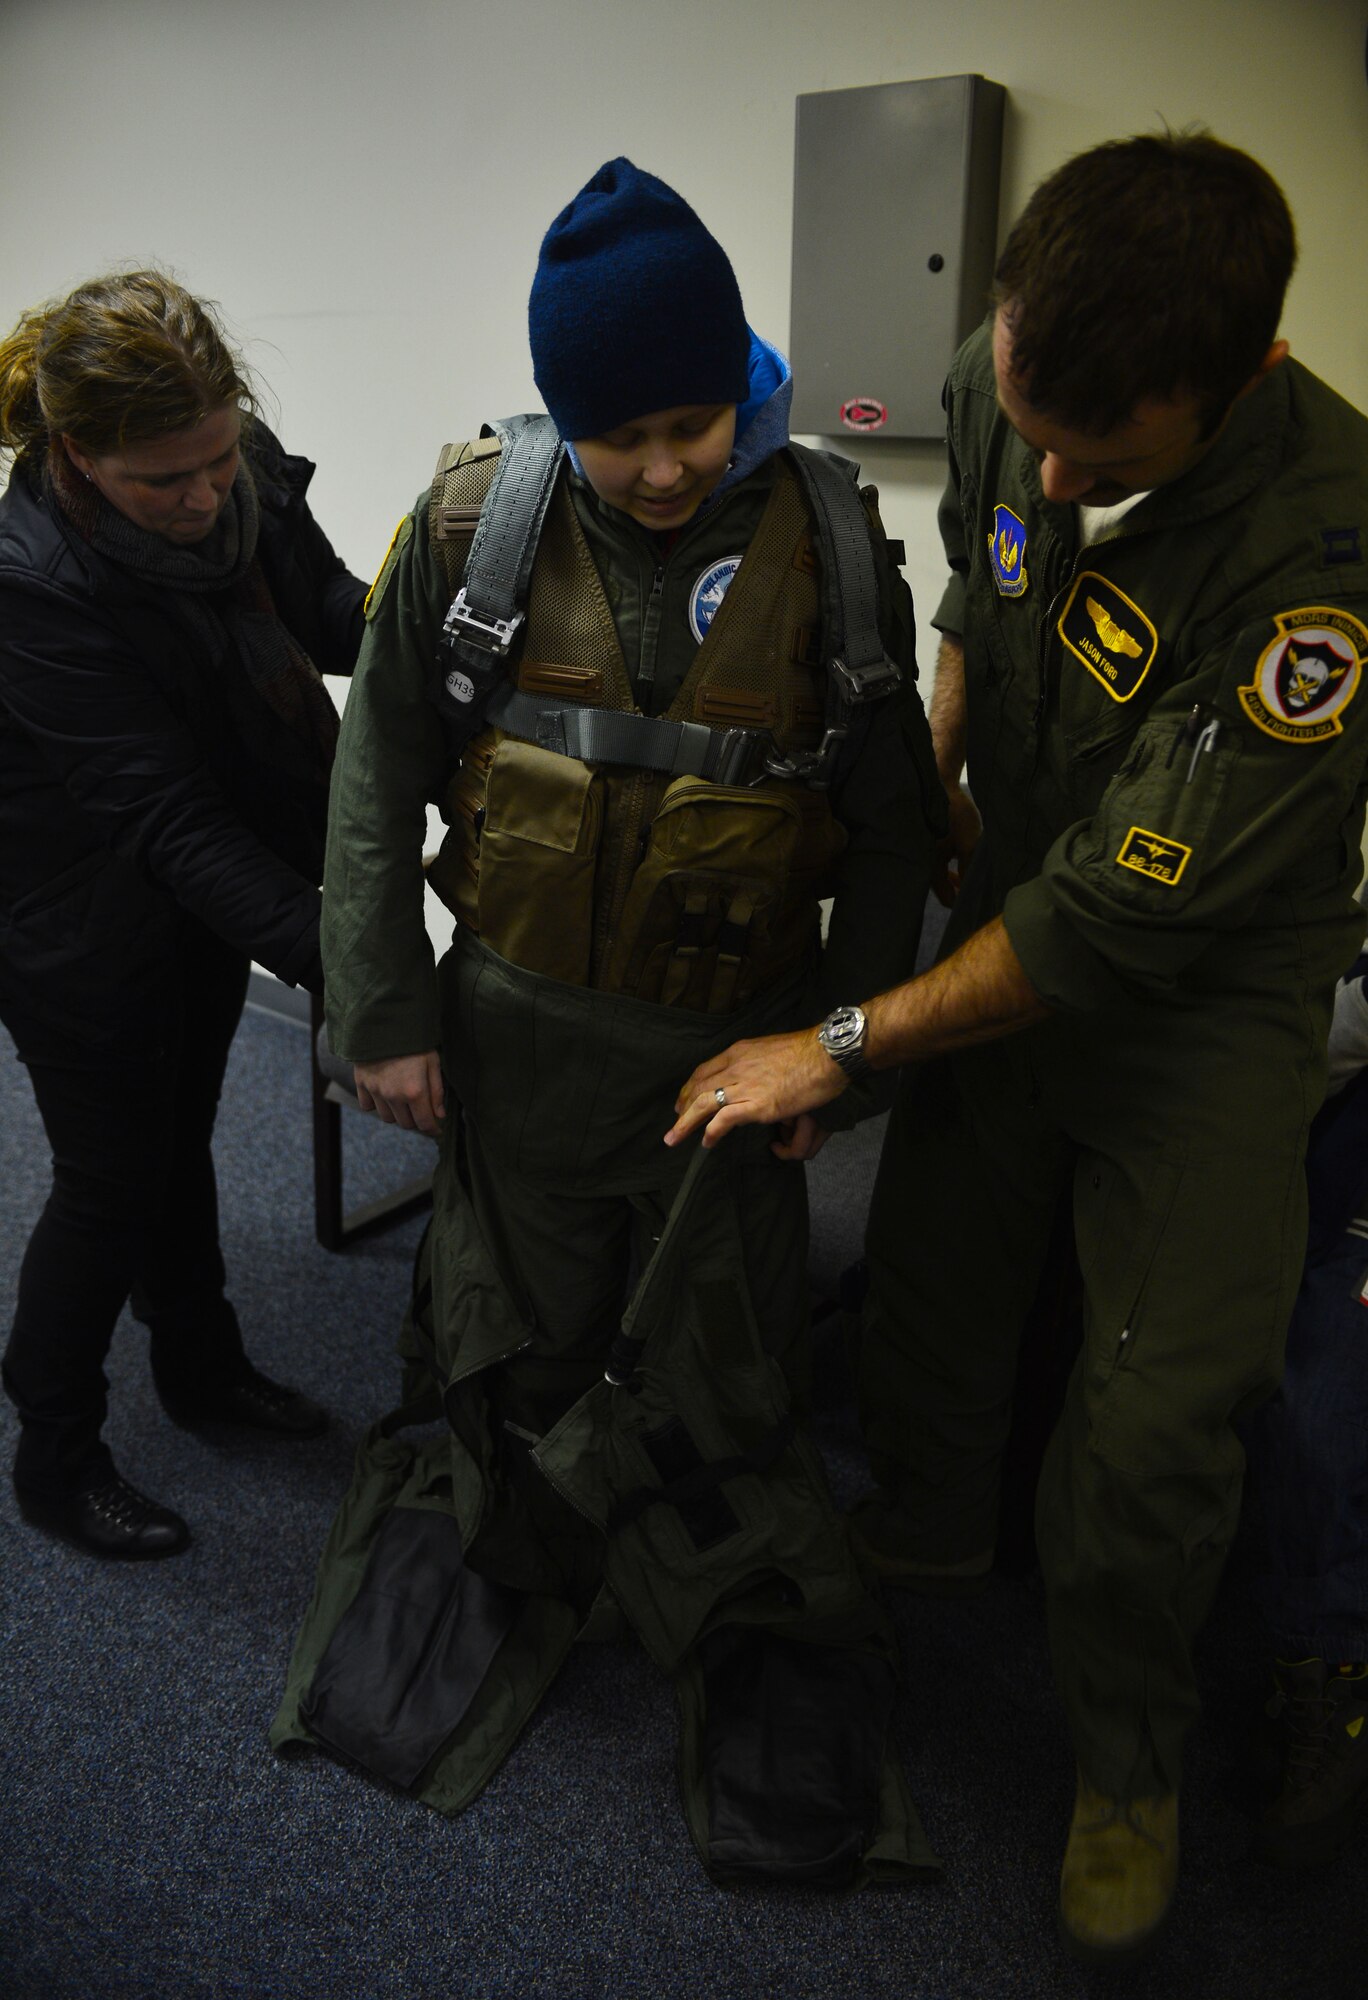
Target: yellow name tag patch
1111, 635
1152, 854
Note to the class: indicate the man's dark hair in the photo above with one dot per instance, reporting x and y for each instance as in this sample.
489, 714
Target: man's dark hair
1148, 267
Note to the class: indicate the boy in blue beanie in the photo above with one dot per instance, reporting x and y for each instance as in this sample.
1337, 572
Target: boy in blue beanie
639, 774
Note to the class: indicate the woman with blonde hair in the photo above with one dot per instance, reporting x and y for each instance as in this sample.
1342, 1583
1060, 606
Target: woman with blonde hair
167, 603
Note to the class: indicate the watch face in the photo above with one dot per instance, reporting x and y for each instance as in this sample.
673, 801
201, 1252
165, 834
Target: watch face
843, 1029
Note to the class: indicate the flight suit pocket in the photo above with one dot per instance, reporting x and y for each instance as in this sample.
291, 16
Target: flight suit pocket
1163, 1368
542, 818
1116, 1257
1154, 821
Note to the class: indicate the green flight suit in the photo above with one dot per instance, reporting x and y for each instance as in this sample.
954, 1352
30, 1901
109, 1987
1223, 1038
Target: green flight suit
552, 1189
1167, 741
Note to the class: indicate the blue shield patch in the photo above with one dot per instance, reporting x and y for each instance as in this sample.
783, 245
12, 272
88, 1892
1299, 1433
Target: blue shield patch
705, 599
1007, 552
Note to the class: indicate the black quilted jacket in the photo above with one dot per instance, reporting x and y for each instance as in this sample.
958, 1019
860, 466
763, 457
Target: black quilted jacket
137, 784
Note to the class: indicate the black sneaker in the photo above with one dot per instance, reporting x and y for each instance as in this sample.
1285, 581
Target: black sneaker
250, 1401
112, 1520
1324, 1713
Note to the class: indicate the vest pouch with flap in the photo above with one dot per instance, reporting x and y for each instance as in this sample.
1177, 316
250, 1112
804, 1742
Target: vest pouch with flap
543, 814
725, 899
454, 873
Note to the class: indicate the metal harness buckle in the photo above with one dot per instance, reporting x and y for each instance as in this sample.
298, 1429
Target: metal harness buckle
737, 751
868, 683
813, 767
477, 628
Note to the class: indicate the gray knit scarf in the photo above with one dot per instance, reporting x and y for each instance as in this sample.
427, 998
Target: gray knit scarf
222, 593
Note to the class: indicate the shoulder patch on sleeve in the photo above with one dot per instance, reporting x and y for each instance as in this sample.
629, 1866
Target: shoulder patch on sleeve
1007, 552
397, 542
1153, 854
1307, 674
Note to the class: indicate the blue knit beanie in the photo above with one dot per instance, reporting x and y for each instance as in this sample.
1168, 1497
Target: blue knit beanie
634, 307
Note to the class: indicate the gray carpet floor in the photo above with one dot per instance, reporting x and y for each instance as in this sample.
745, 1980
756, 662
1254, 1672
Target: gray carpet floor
152, 1848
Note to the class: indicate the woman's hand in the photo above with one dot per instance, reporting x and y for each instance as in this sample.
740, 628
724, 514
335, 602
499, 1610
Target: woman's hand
404, 1090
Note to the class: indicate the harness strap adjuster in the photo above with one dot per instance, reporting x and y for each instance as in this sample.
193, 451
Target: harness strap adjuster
870, 682
466, 624
725, 756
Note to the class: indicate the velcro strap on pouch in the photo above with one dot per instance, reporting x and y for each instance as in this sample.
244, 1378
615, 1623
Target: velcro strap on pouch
704, 1478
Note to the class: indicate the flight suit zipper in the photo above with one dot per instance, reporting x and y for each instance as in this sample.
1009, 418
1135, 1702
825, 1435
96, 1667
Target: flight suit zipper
559, 1488
631, 812
650, 632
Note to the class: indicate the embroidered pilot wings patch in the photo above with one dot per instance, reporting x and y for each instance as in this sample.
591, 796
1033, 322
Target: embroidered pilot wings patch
1307, 675
1109, 633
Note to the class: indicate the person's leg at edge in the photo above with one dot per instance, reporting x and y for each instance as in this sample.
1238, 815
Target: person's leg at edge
1308, 1460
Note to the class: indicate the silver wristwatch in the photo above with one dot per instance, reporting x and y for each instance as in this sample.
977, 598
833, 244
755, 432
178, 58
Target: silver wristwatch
842, 1035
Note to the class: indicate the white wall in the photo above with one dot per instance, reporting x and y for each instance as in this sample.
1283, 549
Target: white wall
363, 183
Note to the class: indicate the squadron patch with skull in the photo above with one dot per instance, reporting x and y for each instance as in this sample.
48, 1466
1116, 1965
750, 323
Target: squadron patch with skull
1307, 675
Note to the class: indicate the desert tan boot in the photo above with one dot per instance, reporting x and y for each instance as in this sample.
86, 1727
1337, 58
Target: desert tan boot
1120, 1868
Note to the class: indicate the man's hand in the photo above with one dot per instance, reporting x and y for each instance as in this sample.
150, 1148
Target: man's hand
404, 1090
953, 854
770, 1082
980, 992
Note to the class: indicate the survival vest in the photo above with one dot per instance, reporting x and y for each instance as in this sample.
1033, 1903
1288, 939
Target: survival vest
679, 859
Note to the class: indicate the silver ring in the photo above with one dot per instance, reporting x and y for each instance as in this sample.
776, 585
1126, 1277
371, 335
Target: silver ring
721, 1095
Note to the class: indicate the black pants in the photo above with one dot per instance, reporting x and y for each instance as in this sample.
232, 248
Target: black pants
133, 1212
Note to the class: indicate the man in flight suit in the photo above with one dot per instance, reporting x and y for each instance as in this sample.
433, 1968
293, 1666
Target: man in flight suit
1155, 637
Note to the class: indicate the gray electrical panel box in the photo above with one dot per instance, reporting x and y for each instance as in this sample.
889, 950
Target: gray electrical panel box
895, 208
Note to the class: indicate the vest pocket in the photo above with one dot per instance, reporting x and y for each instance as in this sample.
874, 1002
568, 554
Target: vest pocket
724, 901
538, 846
454, 874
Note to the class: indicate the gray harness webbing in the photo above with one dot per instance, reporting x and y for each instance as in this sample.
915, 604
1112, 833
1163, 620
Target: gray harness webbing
485, 617
483, 621
859, 670
609, 736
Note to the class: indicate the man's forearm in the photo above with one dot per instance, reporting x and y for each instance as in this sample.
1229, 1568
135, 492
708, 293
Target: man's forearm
949, 737
980, 992
949, 729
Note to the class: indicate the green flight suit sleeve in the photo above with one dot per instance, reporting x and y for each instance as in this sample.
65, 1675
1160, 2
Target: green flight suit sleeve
380, 978
893, 809
1199, 836
949, 615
